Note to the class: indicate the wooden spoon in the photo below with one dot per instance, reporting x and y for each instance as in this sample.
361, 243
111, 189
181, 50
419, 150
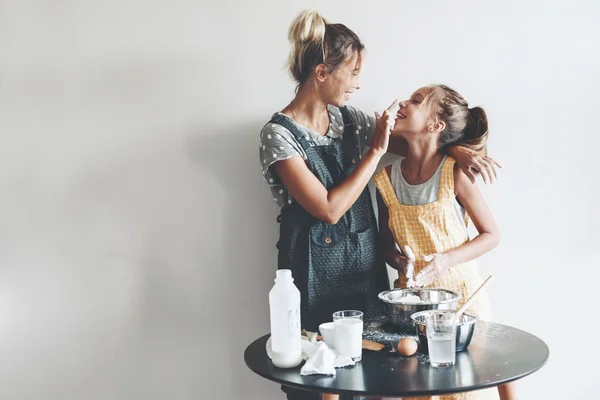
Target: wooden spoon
366, 344
470, 300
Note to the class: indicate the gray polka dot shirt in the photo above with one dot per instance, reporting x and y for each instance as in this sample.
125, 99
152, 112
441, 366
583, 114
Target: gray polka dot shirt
277, 144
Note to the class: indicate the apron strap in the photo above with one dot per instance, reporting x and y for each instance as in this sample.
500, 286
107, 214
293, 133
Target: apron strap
349, 141
290, 126
384, 185
446, 189
348, 124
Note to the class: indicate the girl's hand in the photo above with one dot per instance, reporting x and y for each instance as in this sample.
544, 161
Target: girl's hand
435, 269
404, 264
472, 162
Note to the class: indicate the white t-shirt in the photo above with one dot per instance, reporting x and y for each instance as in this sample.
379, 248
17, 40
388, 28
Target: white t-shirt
423, 193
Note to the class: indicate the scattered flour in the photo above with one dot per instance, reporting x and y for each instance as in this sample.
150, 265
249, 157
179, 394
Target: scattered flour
404, 298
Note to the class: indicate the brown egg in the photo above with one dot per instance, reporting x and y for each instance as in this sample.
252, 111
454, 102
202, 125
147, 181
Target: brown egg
407, 346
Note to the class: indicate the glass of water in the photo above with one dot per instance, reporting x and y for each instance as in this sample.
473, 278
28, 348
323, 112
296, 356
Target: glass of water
441, 338
348, 333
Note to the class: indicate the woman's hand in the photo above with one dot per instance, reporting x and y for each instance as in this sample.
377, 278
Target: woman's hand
472, 162
383, 128
437, 266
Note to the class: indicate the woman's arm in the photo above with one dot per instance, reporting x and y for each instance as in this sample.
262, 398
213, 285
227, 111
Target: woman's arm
325, 205
330, 205
488, 238
470, 161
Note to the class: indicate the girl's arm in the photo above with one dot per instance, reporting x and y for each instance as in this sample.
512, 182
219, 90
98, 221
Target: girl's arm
489, 236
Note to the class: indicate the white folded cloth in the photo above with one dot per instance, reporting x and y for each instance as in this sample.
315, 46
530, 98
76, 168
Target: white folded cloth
320, 359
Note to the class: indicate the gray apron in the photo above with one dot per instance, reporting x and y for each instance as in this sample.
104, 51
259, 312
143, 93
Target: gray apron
335, 266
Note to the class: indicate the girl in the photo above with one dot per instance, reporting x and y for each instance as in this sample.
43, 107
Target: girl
425, 201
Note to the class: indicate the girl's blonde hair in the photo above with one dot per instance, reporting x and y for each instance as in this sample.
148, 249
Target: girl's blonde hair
464, 126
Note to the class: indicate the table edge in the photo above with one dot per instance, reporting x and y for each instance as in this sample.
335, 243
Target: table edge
318, 389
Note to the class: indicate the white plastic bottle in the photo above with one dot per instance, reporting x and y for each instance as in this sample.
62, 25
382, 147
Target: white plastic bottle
284, 304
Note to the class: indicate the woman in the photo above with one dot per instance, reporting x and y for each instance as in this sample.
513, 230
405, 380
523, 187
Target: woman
318, 156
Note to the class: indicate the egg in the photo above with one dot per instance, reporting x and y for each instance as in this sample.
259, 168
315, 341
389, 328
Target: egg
407, 346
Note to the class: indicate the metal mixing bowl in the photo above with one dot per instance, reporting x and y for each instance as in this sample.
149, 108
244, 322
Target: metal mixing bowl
398, 309
464, 330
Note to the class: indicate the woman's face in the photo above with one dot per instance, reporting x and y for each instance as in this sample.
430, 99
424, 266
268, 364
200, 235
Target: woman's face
338, 87
413, 117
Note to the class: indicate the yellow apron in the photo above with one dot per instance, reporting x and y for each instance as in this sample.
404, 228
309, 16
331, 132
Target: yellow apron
436, 228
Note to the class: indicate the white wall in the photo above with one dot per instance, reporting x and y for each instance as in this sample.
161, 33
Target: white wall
137, 237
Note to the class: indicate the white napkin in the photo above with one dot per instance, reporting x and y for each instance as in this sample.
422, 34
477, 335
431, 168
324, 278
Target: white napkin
320, 359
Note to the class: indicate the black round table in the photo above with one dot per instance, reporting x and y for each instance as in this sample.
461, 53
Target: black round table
497, 354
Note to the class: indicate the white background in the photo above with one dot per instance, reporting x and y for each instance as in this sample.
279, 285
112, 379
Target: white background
137, 238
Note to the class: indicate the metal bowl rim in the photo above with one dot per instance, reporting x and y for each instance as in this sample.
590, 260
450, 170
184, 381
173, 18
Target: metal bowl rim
413, 318
385, 292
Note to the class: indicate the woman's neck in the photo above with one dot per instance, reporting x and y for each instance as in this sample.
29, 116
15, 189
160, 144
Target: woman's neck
309, 110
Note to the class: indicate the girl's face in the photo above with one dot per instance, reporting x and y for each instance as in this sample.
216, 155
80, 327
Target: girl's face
414, 116
337, 88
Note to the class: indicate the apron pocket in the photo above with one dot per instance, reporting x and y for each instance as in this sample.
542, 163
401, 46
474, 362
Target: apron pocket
333, 254
328, 236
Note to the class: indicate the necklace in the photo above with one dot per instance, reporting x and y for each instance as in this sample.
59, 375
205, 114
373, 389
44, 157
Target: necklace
406, 174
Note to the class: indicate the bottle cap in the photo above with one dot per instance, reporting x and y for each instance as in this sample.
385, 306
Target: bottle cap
284, 274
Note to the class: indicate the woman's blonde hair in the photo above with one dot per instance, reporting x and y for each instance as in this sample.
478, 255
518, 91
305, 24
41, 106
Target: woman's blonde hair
314, 42
464, 126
